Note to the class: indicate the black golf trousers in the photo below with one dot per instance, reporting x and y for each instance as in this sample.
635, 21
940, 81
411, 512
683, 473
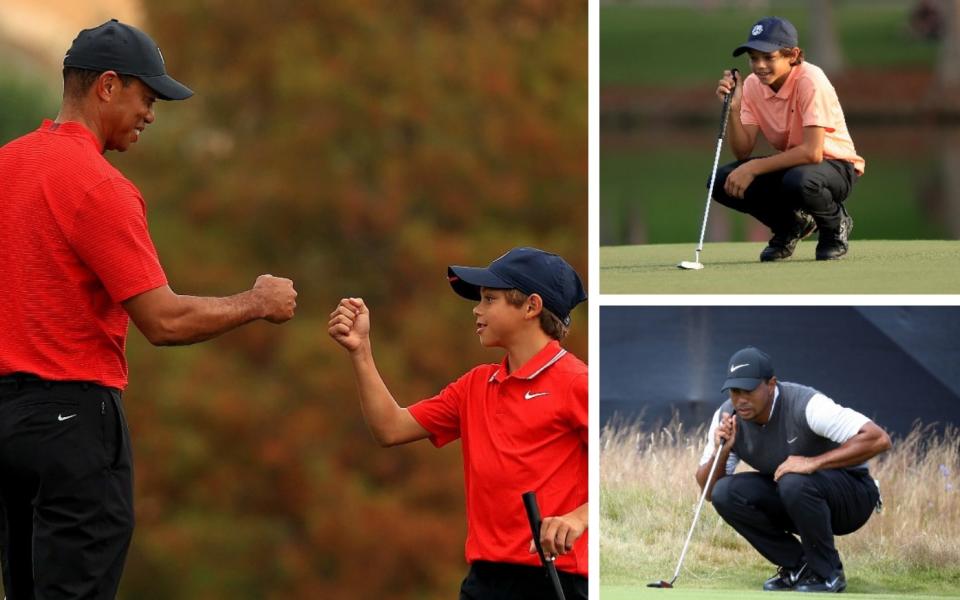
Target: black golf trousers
66, 489
774, 198
504, 581
815, 506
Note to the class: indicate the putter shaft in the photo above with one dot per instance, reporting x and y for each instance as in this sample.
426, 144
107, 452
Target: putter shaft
696, 516
533, 515
724, 113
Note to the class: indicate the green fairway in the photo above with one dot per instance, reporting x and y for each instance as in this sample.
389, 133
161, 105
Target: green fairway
655, 195
628, 592
871, 267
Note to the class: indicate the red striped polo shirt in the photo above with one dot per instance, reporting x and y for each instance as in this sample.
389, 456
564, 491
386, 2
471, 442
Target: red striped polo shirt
74, 244
521, 431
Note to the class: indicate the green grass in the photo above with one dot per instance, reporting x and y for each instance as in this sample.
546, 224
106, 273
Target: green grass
871, 267
648, 496
626, 592
658, 196
24, 102
652, 46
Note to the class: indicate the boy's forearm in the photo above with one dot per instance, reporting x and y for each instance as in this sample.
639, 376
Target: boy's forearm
379, 409
582, 512
798, 155
349, 326
740, 143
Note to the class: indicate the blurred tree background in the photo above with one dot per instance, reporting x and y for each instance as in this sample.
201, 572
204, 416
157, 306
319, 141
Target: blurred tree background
358, 148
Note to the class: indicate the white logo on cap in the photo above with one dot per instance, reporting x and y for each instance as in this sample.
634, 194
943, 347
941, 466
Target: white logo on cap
161, 57
735, 367
757, 30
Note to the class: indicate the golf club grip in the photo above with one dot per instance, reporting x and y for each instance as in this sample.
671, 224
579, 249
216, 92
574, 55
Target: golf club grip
533, 515
726, 105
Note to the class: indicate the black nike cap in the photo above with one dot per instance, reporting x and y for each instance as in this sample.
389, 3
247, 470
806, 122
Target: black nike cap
116, 46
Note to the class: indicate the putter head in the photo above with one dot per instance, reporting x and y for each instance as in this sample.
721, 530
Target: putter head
660, 584
695, 266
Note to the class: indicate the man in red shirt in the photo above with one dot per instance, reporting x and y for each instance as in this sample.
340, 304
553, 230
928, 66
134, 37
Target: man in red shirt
77, 264
522, 422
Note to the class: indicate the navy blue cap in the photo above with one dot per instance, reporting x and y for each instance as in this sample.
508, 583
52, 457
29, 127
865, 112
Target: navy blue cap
769, 34
115, 46
529, 270
747, 369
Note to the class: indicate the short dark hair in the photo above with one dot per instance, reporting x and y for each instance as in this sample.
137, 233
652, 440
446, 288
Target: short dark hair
77, 82
551, 324
787, 51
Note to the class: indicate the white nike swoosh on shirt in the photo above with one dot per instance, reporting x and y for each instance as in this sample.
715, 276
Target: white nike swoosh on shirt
735, 367
532, 395
793, 440
64, 418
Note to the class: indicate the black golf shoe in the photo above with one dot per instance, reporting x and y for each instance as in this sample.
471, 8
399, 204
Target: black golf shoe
833, 244
783, 243
815, 583
785, 580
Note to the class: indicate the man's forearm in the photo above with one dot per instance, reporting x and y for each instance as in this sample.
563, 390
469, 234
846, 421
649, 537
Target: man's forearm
703, 471
197, 319
168, 319
855, 451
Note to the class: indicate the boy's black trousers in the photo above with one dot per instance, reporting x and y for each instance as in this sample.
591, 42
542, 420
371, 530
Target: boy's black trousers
774, 198
505, 581
816, 507
66, 489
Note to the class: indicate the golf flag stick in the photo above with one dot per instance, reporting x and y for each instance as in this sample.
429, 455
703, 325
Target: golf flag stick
533, 515
724, 112
686, 544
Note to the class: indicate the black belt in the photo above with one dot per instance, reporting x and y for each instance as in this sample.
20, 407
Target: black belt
23, 380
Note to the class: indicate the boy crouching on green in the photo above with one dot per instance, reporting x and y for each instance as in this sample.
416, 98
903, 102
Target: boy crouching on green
522, 422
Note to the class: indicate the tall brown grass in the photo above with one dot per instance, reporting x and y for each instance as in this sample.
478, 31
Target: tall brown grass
648, 495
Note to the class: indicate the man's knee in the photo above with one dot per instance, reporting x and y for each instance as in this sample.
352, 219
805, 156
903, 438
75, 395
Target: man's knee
722, 498
793, 486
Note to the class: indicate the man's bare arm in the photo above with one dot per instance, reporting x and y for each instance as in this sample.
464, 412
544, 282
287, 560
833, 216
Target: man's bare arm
870, 441
168, 319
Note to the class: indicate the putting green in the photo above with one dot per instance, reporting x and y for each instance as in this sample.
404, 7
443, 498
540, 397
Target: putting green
871, 267
626, 592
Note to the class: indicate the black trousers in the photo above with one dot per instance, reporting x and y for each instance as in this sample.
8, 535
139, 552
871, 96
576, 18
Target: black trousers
504, 581
66, 489
815, 506
774, 198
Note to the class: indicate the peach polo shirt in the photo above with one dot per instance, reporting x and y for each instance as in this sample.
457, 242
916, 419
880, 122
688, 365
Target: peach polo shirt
806, 99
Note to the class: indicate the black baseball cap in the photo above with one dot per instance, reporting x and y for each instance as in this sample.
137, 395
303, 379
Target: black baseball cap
529, 270
115, 46
747, 369
769, 34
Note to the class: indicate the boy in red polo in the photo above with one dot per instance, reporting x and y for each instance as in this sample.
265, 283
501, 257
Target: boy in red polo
522, 422
802, 187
